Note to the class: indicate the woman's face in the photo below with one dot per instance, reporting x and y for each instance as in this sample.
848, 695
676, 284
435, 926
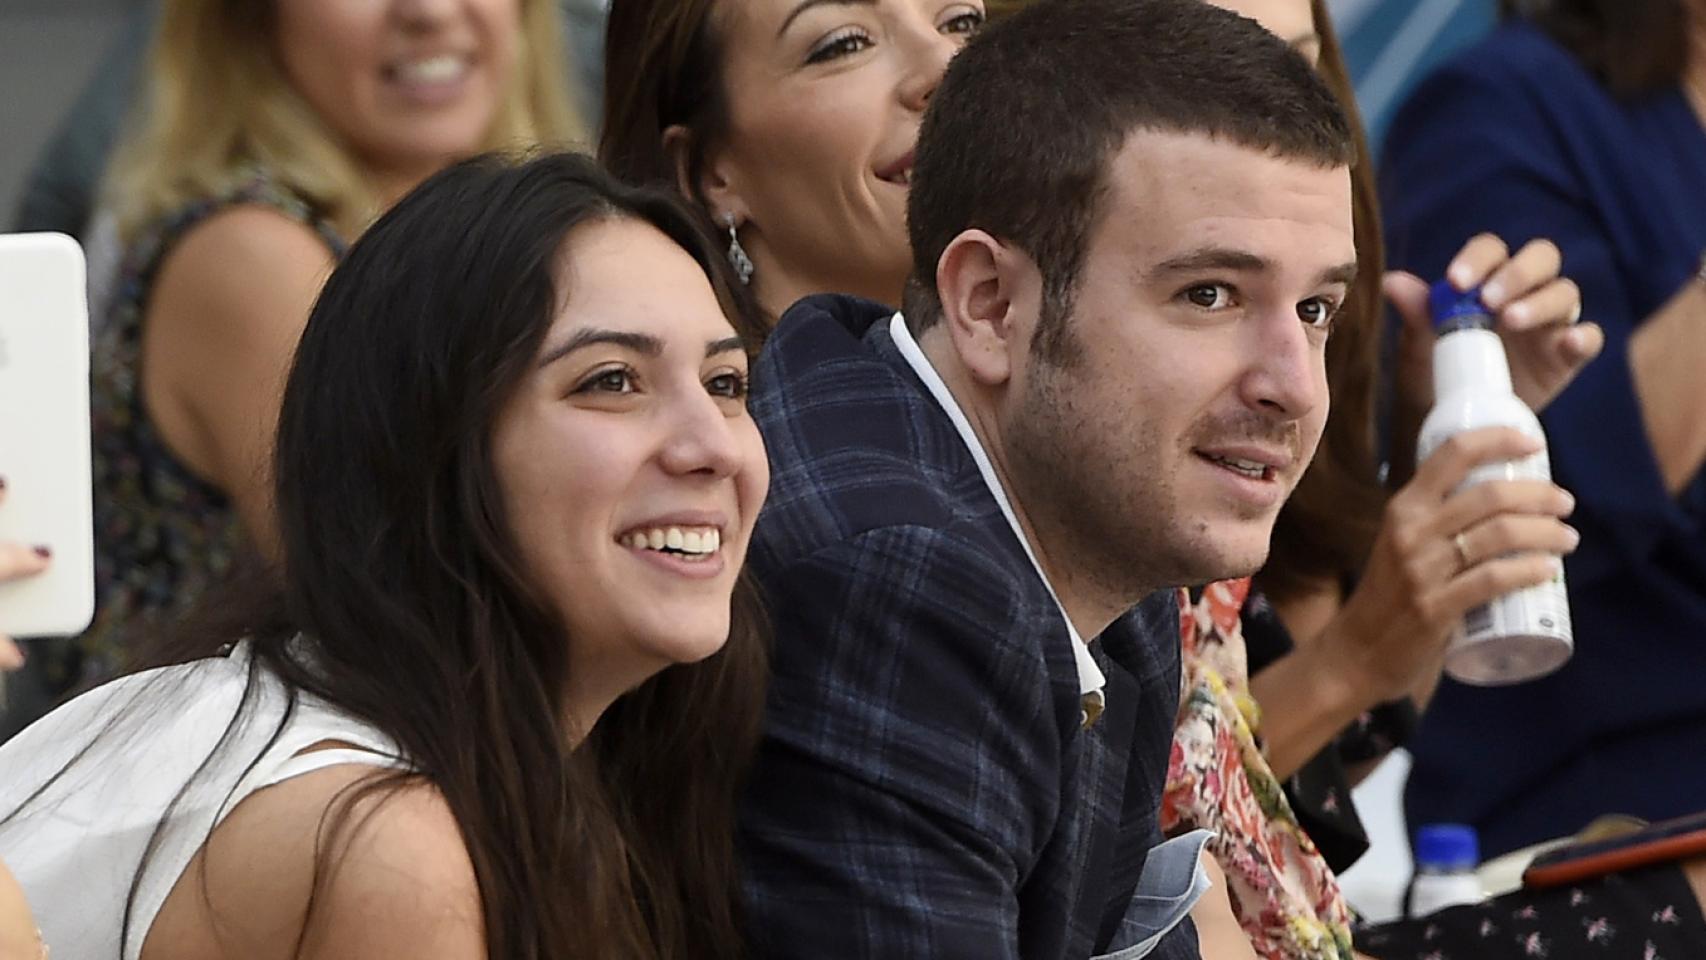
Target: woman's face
630, 470
825, 99
409, 85
1291, 20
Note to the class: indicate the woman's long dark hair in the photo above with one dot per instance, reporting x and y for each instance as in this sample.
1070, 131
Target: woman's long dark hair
414, 615
1634, 47
1327, 527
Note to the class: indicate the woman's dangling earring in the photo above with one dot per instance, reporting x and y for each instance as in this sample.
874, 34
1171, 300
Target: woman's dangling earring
737, 254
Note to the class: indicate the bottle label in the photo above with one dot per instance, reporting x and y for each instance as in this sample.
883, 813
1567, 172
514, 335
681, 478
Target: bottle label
1539, 611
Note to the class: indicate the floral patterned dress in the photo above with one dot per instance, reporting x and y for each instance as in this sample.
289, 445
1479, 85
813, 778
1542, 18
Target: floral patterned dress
1283, 892
163, 535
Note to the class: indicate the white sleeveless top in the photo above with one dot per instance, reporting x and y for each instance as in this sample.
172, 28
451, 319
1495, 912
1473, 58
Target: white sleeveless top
76, 849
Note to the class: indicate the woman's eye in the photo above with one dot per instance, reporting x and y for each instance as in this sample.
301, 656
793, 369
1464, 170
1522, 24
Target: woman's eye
1317, 312
608, 381
964, 24
730, 385
1210, 296
838, 45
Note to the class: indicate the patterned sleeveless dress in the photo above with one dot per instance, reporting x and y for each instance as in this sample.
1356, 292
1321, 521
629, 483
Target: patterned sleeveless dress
163, 535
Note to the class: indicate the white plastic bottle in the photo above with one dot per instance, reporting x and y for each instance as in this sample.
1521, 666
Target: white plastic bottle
1446, 857
1524, 634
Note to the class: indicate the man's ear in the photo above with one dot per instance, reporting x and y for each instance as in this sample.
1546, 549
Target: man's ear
990, 292
712, 184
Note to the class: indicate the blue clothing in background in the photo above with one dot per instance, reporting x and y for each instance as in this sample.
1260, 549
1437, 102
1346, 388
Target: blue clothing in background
1516, 138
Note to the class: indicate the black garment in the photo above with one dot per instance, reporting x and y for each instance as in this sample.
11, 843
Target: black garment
1320, 791
1648, 914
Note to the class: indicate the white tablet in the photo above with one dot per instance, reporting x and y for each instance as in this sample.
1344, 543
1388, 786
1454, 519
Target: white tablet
44, 432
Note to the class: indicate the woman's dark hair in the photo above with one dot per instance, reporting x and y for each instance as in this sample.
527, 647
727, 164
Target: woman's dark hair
1634, 47
1328, 525
663, 66
400, 573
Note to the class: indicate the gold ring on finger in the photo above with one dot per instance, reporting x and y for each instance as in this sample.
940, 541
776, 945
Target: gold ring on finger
1462, 551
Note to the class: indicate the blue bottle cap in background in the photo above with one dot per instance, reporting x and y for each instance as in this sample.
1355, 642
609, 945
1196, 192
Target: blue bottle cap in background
1447, 846
1454, 309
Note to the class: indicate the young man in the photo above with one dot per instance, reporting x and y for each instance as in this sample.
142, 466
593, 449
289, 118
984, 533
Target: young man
1131, 224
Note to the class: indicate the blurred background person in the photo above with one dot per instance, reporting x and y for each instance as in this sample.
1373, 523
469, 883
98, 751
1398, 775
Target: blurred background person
498, 700
797, 145
272, 133
62, 187
1582, 121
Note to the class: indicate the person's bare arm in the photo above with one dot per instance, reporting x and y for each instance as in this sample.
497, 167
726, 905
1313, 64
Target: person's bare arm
224, 318
18, 940
1219, 937
1666, 357
398, 885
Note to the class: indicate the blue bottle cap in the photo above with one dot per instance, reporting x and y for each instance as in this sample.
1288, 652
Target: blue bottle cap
1447, 846
1454, 309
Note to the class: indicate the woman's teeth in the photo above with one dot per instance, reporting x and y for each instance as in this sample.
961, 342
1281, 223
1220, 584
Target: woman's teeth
439, 69
689, 542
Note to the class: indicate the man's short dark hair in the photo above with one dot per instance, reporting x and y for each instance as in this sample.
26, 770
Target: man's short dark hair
1018, 138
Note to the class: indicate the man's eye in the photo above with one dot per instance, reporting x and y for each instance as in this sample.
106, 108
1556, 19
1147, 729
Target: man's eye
1317, 313
1210, 296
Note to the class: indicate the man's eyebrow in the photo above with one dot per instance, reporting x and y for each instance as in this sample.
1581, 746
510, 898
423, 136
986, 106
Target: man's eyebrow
1242, 261
640, 343
794, 14
1212, 258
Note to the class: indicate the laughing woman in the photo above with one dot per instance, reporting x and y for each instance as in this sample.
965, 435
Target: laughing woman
500, 702
274, 132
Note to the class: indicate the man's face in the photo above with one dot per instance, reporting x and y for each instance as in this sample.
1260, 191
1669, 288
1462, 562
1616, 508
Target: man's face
1163, 446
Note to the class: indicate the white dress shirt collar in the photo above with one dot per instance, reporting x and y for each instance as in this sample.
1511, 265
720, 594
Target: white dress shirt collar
1090, 679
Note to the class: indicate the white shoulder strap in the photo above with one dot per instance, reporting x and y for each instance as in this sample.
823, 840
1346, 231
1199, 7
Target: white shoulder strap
314, 760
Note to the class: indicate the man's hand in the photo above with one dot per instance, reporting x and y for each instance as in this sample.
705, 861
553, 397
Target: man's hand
1536, 309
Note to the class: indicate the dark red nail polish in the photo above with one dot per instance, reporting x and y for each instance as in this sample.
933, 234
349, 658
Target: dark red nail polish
2, 483
43, 552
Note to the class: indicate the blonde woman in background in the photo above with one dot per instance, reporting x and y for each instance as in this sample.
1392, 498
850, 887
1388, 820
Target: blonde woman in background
272, 132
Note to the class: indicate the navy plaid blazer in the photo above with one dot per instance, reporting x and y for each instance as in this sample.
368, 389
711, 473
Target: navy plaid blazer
924, 788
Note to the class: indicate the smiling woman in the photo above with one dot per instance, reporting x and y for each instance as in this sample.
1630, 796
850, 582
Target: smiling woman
474, 716
274, 132
800, 148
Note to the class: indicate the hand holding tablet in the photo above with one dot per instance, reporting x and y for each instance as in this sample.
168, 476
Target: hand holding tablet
44, 438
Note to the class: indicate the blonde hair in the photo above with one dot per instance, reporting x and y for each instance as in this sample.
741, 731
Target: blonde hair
218, 106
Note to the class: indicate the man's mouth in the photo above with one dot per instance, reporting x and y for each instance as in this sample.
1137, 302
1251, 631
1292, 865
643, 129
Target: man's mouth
1249, 468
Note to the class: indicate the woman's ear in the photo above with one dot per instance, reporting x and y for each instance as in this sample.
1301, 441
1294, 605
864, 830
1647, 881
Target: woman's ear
678, 147
712, 185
